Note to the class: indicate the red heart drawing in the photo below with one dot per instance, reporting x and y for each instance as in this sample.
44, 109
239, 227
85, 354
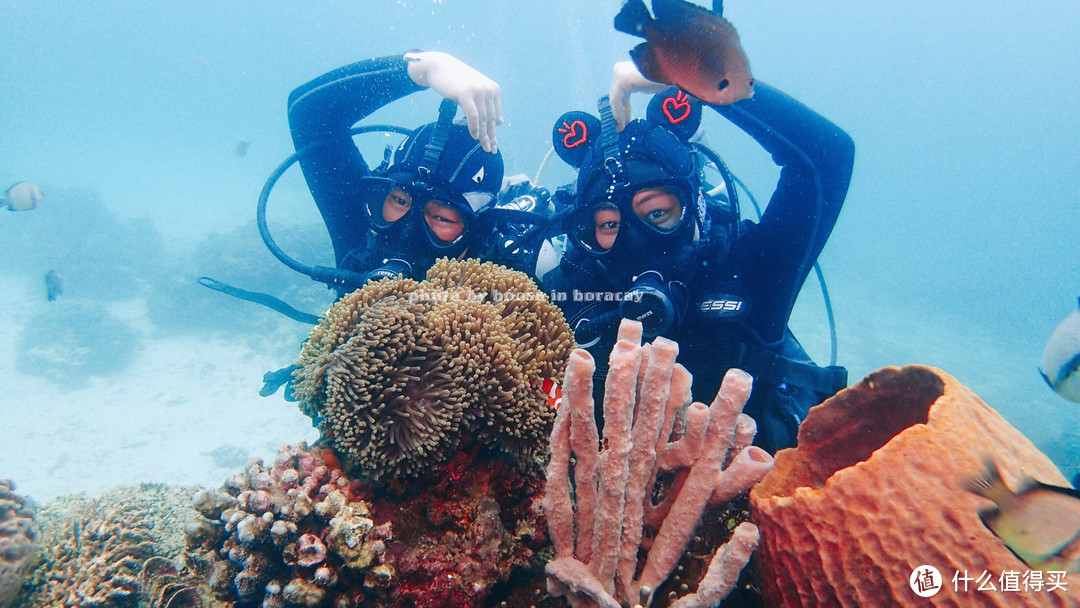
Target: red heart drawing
677, 108
572, 132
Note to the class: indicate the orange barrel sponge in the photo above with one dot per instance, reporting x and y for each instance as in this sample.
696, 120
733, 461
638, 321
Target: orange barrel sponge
875, 490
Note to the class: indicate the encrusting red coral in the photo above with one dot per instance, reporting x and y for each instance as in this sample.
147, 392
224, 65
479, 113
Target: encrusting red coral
327, 540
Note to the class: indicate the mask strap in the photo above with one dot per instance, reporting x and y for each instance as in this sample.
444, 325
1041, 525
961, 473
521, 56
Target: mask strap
440, 133
609, 143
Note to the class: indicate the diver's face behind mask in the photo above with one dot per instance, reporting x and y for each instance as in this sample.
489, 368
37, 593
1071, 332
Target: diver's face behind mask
415, 223
444, 224
642, 233
643, 221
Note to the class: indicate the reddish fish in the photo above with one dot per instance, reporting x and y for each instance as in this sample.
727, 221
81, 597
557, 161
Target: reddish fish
552, 391
690, 47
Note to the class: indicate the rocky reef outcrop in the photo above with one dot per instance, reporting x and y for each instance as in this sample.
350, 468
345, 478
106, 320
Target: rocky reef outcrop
109, 551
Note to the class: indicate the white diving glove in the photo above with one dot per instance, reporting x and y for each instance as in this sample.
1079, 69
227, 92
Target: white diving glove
626, 79
454, 79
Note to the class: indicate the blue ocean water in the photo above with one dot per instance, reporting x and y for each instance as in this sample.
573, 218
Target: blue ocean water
958, 245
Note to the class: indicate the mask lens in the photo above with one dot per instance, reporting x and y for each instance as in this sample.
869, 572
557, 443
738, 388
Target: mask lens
596, 226
445, 224
386, 202
660, 207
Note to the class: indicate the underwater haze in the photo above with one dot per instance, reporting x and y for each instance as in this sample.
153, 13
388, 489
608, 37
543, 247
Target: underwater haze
957, 247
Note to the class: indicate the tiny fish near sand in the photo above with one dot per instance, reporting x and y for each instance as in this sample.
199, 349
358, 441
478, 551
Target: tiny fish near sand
54, 285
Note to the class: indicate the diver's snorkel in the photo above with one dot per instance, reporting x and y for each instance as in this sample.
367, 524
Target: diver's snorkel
609, 144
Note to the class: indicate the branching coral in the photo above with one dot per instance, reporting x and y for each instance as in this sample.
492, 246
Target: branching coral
616, 518
18, 540
288, 535
402, 374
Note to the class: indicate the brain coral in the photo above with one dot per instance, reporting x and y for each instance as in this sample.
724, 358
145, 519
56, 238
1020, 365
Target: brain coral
401, 373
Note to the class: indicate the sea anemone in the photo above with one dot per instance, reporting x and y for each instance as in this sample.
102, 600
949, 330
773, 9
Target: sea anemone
400, 374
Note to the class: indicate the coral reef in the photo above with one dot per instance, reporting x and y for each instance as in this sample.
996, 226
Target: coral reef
18, 540
650, 429
874, 490
301, 533
96, 549
402, 374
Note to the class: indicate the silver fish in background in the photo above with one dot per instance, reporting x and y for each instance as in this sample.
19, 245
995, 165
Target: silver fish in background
54, 284
23, 196
1060, 365
689, 47
241, 148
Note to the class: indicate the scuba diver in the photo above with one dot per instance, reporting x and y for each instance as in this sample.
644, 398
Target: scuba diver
650, 239
425, 200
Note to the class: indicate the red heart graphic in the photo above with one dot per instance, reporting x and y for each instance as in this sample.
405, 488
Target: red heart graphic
677, 109
571, 132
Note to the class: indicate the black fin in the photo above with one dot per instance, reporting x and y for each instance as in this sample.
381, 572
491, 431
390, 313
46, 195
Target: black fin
984, 482
632, 18
718, 7
1046, 379
679, 13
646, 62
1059, 489
1071, 367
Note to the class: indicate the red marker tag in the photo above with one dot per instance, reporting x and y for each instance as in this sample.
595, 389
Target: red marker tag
575, 133
677, 109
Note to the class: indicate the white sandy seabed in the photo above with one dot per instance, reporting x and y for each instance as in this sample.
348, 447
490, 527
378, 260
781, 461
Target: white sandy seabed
186, 411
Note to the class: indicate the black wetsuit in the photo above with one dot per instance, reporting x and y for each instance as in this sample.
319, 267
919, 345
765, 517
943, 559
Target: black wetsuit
321, 113
766, 266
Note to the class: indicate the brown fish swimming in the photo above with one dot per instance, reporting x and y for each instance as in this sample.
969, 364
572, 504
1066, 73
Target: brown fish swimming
690, 47
1040, 523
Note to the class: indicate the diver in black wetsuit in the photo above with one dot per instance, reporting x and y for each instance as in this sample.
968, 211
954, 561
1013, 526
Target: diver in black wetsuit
645, 228
425, 200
